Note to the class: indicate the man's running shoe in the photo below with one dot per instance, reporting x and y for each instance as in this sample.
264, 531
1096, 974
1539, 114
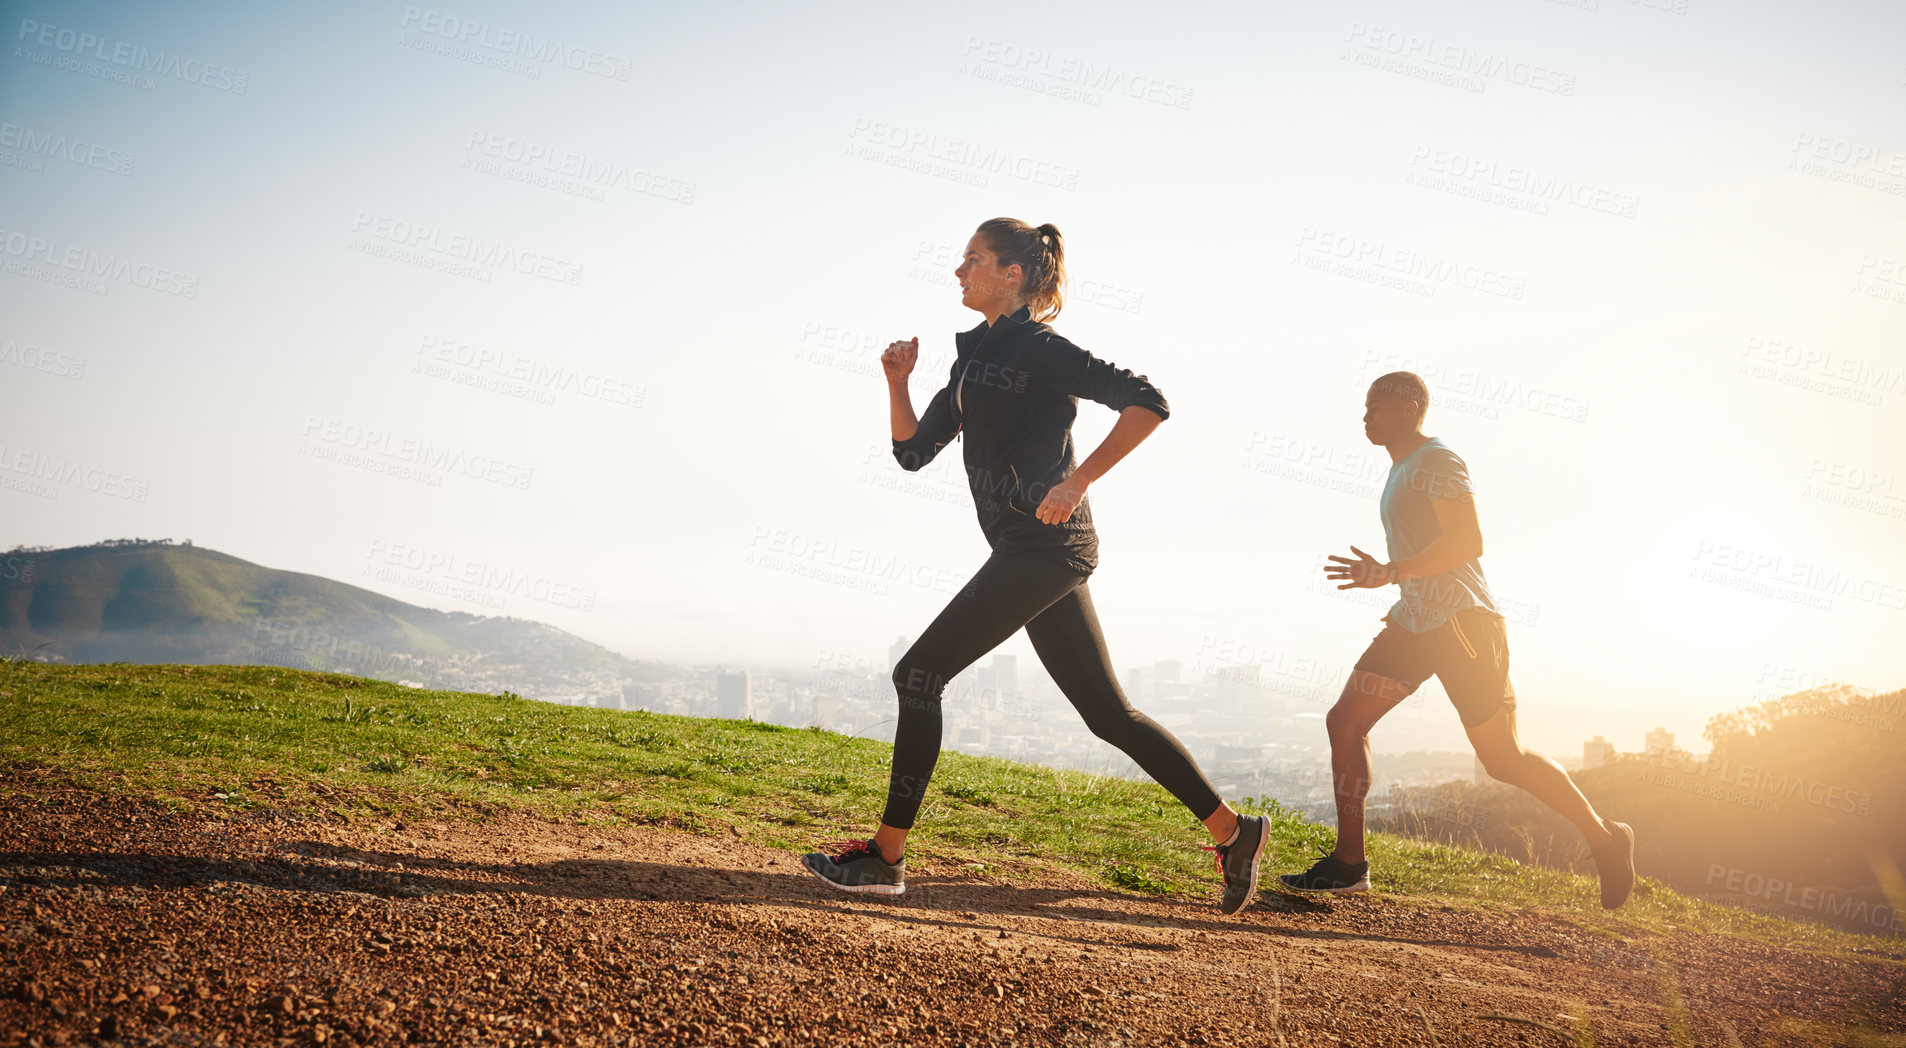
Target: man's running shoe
857, 866
1330, 874
1238, 861
1615, 865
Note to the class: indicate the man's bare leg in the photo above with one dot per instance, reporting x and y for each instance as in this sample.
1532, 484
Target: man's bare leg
1365, 699
1505, 760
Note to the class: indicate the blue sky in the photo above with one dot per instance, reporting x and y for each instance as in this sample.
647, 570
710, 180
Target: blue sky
424, 308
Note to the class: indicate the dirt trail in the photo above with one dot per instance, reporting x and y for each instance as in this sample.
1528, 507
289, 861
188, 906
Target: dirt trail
125, 923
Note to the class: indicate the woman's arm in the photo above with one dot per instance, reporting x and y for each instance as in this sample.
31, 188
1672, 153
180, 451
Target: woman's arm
915, 440
1140, 406
1133, 426
898, 362
900, 411
1075, 372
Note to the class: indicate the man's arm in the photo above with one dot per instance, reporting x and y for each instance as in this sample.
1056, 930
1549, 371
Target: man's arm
1460, 542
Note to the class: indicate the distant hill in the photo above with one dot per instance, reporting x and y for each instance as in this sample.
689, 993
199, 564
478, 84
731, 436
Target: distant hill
1799, 809
157, 602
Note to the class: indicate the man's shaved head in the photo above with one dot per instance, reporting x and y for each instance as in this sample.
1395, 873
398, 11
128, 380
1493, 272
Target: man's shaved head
1403, 385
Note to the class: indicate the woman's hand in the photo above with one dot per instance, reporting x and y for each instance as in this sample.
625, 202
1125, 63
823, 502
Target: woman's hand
1062, 500
898, 360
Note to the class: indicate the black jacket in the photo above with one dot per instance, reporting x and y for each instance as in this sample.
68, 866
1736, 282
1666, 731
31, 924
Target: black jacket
1014, 390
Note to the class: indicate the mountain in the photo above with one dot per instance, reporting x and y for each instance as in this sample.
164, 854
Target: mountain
134, 600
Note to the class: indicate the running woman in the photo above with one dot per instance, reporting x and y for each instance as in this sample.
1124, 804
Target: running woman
1014, 390
1445, 623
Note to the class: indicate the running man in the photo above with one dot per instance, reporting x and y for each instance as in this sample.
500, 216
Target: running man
1013, 392
1444, 623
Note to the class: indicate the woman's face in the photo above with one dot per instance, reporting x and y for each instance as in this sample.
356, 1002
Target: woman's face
984, 286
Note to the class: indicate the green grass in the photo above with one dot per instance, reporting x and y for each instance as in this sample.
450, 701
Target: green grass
263, 736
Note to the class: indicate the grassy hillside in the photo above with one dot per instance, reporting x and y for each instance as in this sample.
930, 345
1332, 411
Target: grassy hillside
158, 602
264, 736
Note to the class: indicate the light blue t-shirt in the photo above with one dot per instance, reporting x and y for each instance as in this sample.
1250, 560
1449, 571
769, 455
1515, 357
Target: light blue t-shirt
1431, 473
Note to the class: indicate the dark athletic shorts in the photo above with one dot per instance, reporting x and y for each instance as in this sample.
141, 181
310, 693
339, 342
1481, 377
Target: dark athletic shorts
1476, 674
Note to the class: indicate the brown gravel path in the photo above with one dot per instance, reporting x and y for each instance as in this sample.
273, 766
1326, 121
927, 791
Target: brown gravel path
125, 923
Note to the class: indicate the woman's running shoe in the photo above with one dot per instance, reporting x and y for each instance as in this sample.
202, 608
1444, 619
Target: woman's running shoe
857, 866
1330, 874
1238, 861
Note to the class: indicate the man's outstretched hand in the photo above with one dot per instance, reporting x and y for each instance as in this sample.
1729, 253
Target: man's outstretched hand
1366, 572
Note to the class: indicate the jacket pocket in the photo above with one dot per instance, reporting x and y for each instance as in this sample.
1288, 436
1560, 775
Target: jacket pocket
1024, 503
1015, 492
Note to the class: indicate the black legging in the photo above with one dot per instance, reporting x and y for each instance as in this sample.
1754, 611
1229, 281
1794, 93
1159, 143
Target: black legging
1051, 601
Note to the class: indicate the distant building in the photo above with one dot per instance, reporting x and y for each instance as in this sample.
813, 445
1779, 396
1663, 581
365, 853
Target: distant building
1167, 671
896, 652
1659, 742
734, 696
1226, 757
1006, 675
1135, 684
826, 712
1597, 752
